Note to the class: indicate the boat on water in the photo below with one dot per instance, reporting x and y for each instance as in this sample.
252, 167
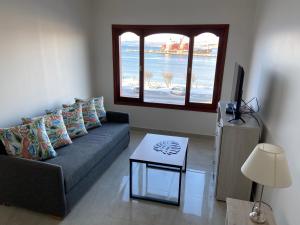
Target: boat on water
181, 47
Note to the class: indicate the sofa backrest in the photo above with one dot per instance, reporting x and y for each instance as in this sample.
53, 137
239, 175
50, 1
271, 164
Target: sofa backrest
2, 149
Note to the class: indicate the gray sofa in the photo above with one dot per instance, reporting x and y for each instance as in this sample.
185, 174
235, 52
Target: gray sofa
54, 186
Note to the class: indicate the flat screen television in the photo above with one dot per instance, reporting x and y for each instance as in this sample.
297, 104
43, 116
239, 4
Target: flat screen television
237, 91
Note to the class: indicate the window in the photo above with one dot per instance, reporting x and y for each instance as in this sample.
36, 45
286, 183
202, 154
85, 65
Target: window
164, 71
176, 66
129, 65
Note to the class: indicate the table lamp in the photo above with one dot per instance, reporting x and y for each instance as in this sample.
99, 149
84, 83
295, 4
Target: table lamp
266, 165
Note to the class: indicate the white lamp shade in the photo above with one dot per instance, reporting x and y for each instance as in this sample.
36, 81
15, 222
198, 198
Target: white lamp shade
267, 165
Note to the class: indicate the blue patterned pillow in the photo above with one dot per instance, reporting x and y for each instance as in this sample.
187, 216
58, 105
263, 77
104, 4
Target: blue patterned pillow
55, 128
99, 105
28, 141
73, 119
89, 112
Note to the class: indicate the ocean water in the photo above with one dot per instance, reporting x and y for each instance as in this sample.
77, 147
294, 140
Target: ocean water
157, 64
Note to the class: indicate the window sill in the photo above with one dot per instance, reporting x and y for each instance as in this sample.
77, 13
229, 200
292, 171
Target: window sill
210, 108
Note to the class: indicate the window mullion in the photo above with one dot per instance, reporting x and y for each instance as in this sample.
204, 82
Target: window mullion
189, 71
142, 40
116, 65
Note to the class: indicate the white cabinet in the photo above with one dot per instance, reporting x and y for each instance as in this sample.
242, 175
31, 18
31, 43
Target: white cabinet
233, 144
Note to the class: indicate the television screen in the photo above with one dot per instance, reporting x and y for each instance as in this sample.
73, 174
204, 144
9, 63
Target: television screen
237, 92
237, 85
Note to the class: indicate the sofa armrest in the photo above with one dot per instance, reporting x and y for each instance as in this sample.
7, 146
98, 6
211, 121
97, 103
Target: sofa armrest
117, 117
32, 184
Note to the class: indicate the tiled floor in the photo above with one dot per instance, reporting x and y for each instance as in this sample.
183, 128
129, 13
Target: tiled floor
108, 203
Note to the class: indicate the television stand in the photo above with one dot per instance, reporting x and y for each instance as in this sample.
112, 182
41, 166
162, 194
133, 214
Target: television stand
234, 119
233, 144
236, 116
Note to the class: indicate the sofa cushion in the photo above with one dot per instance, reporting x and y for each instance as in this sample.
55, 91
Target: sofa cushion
28, 141
73, 119
79, 158
99, 105
89, 113
55, 128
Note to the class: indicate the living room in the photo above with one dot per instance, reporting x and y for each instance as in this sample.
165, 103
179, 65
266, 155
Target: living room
55, 51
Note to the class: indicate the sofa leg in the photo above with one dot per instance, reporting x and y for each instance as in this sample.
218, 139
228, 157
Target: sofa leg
56, 217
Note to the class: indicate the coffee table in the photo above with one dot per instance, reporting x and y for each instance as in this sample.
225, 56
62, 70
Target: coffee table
160, 152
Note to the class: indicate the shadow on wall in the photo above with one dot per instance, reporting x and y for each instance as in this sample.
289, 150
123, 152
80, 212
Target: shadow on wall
272, 92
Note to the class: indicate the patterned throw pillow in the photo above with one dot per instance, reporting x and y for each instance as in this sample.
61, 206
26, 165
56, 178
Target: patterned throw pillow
99, 105
55, 128
28, 141
73, 119
90, 116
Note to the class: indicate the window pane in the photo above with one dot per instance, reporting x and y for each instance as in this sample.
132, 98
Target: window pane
165, 68
129, 65
204, 67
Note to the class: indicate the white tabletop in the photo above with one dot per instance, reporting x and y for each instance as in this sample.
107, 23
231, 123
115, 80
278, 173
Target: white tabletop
146, 152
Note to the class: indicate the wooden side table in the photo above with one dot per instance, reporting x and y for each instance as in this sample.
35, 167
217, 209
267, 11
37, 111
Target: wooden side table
238, 213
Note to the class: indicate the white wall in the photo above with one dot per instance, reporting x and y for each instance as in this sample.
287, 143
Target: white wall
275, 80
44, 55
237, 13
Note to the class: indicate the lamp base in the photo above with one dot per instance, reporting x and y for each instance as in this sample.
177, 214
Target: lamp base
257, 216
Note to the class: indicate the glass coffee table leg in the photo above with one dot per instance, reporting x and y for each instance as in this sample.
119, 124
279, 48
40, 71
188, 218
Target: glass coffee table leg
179, 188
130, 178
185, 160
